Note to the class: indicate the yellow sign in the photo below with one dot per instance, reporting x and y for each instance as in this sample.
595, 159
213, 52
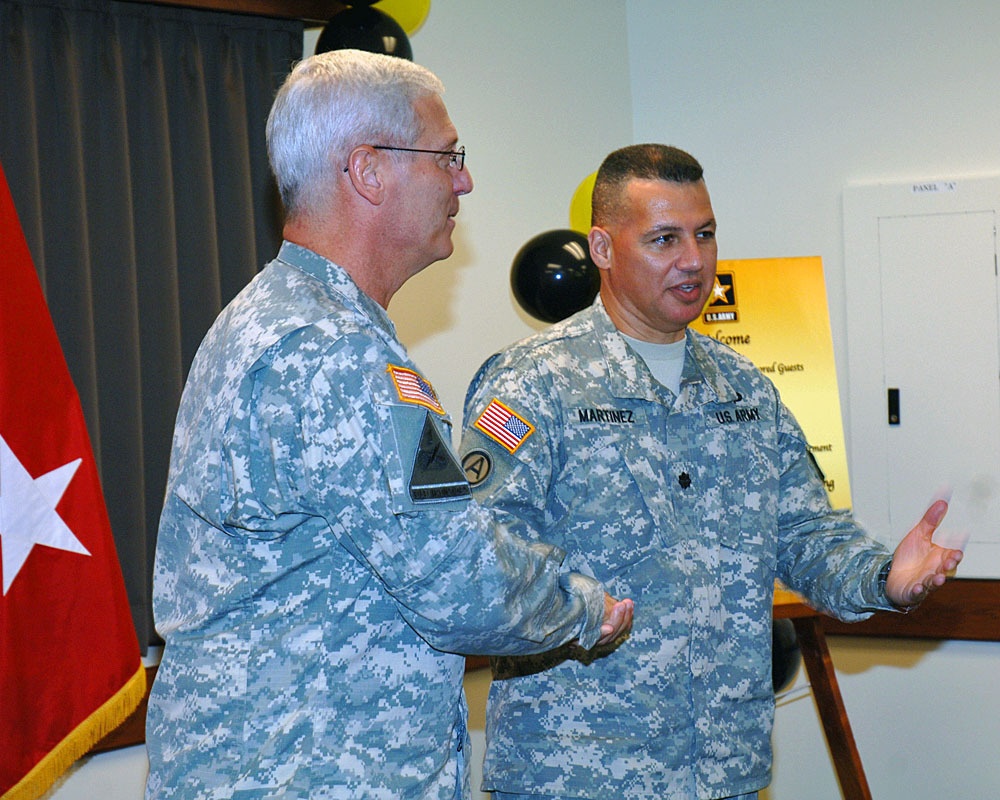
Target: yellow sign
774, 312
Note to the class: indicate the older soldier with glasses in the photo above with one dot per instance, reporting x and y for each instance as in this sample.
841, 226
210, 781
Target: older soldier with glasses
320, 556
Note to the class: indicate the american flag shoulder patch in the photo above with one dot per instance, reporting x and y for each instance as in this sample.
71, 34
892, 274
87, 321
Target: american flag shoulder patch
412, 388
504, 425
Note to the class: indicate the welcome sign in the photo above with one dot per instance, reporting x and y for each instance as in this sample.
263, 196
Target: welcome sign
774, 312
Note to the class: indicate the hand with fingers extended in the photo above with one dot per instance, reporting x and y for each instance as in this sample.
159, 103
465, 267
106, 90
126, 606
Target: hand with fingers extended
919, 566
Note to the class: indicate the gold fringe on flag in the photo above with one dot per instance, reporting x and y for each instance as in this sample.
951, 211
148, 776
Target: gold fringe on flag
81, 739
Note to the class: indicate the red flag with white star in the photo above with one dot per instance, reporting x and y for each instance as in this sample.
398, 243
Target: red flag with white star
70, 669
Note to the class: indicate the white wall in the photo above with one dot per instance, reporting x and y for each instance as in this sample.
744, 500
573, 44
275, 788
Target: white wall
783, 102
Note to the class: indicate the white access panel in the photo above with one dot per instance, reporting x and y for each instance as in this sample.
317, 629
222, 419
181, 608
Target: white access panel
923, 321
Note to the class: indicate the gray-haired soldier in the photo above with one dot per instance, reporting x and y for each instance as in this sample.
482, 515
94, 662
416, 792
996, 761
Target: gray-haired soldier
667, 467
319, 553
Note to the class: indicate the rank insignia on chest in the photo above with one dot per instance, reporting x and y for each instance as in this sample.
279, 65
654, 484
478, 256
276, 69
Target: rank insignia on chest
412, 388
504, 426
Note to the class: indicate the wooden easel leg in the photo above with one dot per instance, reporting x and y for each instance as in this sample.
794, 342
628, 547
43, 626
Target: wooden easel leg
819, 667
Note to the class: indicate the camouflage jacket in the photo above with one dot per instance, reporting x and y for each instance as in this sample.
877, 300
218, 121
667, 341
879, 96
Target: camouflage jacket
691, 505
318, 551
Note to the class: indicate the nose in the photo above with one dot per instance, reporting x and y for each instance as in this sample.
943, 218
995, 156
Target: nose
691, 257
462, 180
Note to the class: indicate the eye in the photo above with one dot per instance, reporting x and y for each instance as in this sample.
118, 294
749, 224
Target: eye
456, 158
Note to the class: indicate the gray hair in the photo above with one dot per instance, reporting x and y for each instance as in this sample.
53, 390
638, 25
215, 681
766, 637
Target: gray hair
331, 103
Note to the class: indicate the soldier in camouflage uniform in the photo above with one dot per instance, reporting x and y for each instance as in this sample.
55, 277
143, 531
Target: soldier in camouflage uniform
667, 467
319, 550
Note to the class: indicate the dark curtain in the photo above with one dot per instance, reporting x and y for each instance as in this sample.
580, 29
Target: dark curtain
132, 136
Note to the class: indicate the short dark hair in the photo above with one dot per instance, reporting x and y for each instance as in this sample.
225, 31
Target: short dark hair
657, 162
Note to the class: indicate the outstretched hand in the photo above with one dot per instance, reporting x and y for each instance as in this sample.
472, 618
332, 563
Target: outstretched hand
617, 619
919, 566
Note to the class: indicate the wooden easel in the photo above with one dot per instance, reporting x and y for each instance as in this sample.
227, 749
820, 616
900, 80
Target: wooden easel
823, 679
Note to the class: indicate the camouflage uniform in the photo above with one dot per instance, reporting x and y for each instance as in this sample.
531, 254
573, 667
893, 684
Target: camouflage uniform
692, 506
318, 550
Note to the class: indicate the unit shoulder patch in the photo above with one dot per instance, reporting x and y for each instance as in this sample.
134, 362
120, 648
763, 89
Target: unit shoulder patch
436, 475
477, 466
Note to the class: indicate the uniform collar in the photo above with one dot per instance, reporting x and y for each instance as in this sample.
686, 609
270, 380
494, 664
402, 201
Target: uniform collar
702, 373
701, 381
337, 282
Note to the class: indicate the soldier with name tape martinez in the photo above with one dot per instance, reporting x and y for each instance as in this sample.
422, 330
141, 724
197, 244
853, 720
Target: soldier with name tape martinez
667, 467
320, 557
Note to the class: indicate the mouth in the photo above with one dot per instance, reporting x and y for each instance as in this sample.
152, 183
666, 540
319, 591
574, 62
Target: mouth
688, 291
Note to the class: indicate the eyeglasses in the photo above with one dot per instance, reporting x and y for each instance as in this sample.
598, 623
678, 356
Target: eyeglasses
457, 157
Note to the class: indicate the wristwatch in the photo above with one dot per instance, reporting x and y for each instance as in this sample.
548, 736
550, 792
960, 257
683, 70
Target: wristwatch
883, 579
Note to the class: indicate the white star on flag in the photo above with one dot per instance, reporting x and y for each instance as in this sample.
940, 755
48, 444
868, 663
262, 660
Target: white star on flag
28, 512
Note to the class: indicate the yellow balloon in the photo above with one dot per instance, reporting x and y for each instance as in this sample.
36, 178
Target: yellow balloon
579, 206
410, 14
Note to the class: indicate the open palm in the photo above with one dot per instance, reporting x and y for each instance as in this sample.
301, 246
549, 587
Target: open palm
919, 566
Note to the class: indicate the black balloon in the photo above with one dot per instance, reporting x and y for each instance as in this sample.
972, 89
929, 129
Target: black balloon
365, 28
786, 656
553, 276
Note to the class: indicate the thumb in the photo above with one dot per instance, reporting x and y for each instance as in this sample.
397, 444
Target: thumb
934, 514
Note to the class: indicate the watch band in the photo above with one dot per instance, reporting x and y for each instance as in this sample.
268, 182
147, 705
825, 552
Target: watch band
883, 579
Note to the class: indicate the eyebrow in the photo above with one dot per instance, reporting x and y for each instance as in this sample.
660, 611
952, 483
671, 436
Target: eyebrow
661, 229
670, 227
451, 144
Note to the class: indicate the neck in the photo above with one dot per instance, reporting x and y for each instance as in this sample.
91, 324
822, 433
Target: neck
360, 259
630, 324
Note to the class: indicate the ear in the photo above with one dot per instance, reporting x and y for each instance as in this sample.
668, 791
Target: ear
363, 171
601, 247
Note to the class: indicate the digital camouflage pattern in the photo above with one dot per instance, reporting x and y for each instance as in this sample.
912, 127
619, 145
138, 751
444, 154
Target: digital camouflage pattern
691, 506
318, 550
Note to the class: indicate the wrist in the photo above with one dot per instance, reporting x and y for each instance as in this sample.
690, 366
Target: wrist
883, 589
883, 581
